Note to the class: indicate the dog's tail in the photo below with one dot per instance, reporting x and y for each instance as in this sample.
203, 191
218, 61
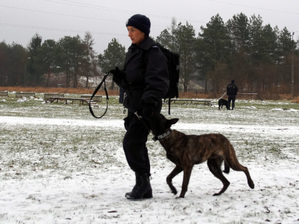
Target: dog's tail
226, 167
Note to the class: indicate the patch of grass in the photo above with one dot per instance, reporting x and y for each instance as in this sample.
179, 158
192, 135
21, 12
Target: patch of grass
67, 147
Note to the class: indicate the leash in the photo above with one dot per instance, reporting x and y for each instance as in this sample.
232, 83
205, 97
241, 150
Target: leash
95, 92
221, 96
155, 138
141, 119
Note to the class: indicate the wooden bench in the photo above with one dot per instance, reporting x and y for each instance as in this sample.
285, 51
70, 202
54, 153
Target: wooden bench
24, 94
68, 99
3, 93
96, 98
47, 96
250, 94
192, 101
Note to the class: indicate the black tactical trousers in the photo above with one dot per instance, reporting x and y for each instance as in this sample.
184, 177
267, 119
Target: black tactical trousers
231, 99
134, 144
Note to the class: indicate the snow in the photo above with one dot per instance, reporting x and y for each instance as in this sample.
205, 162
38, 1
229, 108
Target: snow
59, 168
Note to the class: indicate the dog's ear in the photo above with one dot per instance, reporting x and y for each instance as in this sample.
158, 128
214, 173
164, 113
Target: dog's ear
171, 122
174, 120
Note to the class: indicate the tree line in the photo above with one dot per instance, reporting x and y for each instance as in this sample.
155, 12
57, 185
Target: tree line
71, 57
261, 58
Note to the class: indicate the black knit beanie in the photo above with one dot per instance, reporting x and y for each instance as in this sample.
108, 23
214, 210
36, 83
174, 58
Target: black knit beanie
140, 22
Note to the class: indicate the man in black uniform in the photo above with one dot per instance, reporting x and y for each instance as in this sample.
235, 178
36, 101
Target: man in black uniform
145, 81
231, 91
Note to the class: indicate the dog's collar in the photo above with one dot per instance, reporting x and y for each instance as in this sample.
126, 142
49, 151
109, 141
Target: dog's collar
163, 135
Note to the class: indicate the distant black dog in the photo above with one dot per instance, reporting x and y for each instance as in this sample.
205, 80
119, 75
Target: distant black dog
221, 103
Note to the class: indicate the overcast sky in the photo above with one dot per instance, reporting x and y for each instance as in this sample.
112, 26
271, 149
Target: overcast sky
20, 20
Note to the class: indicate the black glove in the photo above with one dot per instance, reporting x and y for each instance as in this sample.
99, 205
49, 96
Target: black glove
117, 75
148, 111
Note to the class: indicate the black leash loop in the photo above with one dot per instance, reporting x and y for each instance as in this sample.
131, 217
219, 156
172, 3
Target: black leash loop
95, 92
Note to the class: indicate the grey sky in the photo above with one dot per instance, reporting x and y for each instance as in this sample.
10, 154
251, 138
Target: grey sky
20, 20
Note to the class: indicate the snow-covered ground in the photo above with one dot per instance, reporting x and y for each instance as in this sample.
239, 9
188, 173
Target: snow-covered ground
59, 165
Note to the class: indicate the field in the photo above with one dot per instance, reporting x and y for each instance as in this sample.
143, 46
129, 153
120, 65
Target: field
60, 165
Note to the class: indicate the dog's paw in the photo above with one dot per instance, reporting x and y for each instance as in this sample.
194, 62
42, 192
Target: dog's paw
216, 194
251, 184
179, 197
173, 190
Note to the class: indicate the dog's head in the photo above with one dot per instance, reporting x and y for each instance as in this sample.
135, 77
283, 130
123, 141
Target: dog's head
159, 124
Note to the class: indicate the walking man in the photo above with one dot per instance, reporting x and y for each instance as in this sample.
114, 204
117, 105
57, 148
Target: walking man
231, 92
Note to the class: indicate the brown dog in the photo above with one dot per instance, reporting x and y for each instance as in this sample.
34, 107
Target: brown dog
187, 150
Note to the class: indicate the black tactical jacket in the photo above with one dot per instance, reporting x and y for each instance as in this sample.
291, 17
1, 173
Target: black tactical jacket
146, 78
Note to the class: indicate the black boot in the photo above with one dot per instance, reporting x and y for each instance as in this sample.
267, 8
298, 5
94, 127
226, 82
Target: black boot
137, 184
142, 188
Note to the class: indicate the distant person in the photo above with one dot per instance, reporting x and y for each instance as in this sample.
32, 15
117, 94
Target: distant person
231, 91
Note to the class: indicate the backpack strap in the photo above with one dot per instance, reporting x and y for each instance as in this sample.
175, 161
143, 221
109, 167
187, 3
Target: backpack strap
145, 58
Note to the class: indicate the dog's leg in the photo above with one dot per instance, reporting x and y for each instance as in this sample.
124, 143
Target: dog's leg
226, 168
215, 167
238, 167
186, 179
235, 165
169, 178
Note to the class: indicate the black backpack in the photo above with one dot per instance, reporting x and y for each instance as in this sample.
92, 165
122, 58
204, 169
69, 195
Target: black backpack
173, 63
